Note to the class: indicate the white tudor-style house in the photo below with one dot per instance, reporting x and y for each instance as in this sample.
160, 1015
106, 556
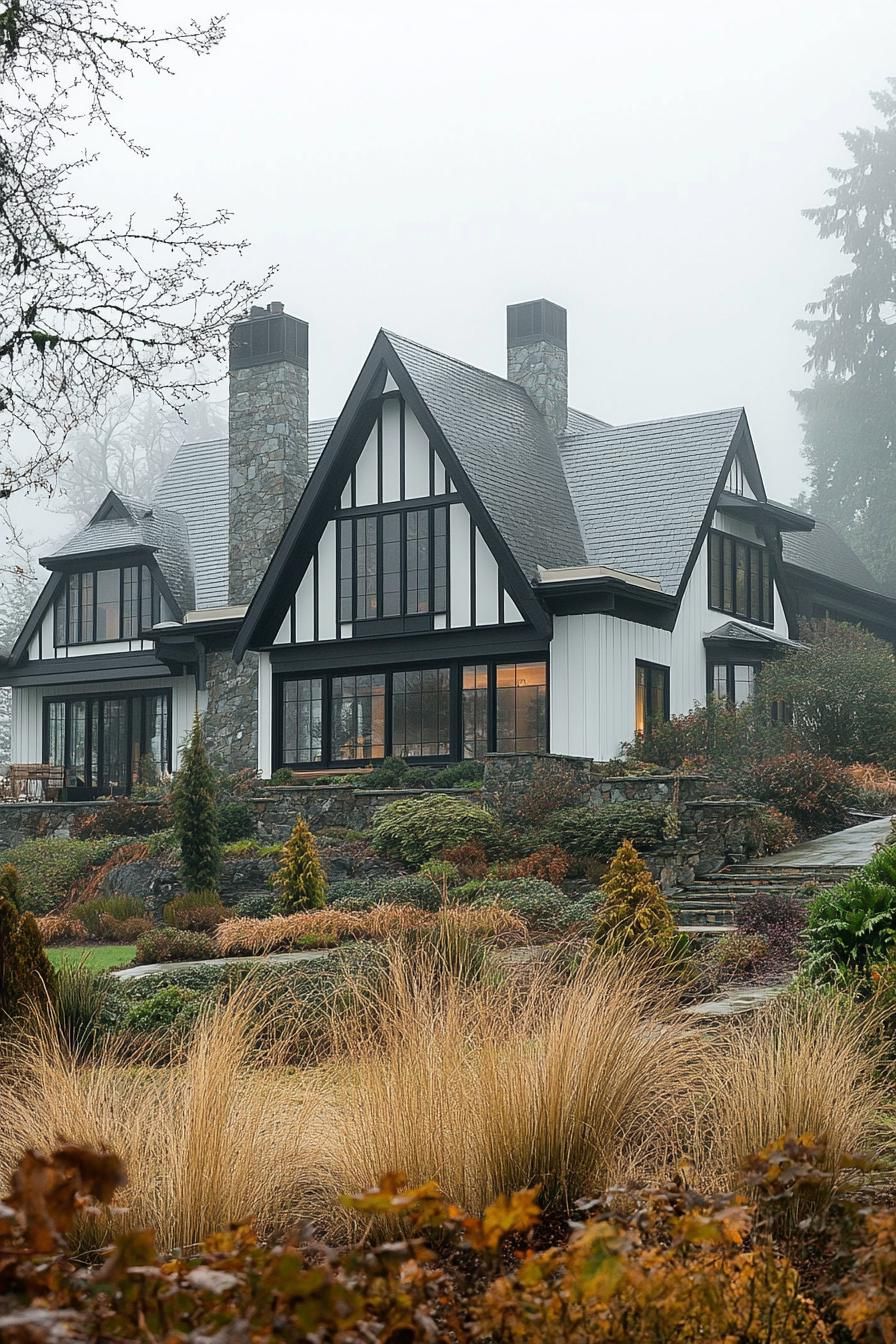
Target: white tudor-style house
459, 564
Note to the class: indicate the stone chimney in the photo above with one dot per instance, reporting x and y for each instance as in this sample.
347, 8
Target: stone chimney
536, 357
268, 438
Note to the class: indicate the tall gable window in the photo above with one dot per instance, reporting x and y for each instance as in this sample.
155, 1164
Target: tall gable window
740, 579
393, 565
105, 606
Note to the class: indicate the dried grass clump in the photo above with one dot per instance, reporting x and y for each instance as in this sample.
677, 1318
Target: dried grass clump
256, 937
510, 1083
490, 922
797, 1066
60, 929
207, 1143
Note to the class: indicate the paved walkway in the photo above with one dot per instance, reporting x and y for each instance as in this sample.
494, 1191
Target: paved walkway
844, 849
138, 972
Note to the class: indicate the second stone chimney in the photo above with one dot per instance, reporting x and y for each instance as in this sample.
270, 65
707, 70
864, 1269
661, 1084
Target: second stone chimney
268, 428
536, 357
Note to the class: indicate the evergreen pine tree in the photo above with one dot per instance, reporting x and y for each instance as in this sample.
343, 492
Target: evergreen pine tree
634, 912
849, 424
300, 878
196, 816
9, 884
25, 972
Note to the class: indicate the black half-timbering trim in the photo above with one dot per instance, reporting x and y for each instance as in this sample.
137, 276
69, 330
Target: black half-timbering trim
99, 667
321, 500
469, 644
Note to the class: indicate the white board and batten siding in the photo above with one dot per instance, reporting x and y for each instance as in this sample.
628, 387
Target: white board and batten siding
28, 703
476, 594
593, 660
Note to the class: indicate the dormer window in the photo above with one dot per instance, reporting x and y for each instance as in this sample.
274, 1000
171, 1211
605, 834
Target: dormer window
105, 606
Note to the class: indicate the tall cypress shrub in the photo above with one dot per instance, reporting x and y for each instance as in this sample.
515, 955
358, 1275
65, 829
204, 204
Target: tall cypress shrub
196, 816
25, 972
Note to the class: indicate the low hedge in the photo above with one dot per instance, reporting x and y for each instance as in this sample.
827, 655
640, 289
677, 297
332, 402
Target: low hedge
173, 945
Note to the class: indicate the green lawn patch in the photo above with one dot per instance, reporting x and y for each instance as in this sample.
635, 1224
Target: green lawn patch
97, 958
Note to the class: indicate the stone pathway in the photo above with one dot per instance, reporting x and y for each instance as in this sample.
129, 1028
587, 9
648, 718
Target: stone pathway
138, 972
844, 849
739, 999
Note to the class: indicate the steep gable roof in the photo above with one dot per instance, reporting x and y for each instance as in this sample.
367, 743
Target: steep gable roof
507, 451
642, 492
122, 524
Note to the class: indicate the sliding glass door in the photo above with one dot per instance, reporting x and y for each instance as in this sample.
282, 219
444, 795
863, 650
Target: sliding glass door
101, 740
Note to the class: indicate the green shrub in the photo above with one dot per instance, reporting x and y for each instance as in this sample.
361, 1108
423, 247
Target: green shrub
735, 955
173, 945
462, 775
416, 829
166, 1008
100, 915
851, 930
300, 880
392, 773
544, 907
235, 821
49, 869
440, 870
814, 790
164, 844
258, 905
597, 832
359, 894
200, 910
195, 815
122, 817
282, 776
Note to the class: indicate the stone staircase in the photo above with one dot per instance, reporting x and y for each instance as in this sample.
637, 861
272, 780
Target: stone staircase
709, 906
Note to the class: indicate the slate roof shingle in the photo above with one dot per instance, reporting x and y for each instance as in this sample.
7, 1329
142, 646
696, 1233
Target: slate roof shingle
641, 491
507, 451
823, 551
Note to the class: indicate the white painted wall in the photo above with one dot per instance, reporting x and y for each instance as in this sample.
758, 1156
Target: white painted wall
593, 663
27, 710
592, 681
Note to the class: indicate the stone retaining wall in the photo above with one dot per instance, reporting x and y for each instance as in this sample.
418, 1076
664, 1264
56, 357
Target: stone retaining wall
36, 821
326, 805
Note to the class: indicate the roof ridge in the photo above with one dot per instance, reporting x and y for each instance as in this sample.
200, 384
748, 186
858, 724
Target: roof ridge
464, 363
660, 420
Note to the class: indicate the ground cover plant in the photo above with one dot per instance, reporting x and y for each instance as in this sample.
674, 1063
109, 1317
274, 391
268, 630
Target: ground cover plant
674, 1264
49, 870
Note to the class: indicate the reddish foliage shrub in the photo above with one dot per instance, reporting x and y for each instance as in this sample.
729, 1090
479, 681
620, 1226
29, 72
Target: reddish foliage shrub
470, 858
124, 931
60, 929
122, 816
814, 790
779, 917
550, 863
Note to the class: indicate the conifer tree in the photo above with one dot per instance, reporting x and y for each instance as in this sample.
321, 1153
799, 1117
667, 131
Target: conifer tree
634, 912
849, 426
25, 972
9, 885
196, 816
300, 878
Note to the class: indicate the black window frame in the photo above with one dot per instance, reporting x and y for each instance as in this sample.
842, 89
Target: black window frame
66, 621
349, 606
134, 698
455, 667
727, 555
651, 672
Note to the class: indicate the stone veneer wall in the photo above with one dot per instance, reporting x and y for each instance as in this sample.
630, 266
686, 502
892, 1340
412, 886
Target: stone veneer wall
542, 368
38, 821
268, 453
230, 720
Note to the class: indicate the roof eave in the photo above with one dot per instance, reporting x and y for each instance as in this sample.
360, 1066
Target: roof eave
785, 519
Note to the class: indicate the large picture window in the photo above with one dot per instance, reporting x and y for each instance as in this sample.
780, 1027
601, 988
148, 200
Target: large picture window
393, 565
452, 712
101, 740
740, 579
106, 605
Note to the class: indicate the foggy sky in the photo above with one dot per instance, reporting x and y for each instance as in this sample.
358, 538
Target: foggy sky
419, 166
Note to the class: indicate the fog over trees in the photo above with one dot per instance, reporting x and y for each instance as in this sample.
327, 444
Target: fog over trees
849, 411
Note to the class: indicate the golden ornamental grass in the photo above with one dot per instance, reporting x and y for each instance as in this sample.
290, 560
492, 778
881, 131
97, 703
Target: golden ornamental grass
280, 933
